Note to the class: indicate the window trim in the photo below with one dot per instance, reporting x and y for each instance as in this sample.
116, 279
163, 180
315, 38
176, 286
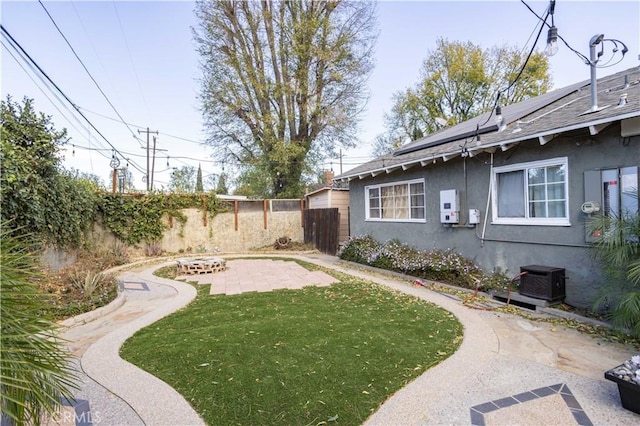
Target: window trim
387, 184
541, 221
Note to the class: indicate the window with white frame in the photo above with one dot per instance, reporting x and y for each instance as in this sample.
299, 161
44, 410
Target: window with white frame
398, 201
534, 193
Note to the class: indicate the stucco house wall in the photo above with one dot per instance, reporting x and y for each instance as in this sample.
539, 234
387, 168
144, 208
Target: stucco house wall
540, 160
506, 247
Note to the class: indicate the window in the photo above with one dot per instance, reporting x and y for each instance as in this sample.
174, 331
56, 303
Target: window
615, 190
531, 193
398, 202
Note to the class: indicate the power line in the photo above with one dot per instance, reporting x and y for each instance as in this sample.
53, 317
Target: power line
526, 61
48, 86
85, 67
42, 90
144, 127
133, 67
17, 45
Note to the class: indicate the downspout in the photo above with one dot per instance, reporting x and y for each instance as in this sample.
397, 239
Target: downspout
486, 210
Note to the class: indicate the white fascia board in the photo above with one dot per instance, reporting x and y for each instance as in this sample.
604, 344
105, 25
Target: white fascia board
491, 147
560, 130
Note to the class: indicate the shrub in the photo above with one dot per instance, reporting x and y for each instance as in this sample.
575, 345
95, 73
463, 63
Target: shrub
80, 287
118, 255
438, 265
153, 249
87, 283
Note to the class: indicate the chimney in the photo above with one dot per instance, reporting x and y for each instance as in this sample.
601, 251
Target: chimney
328, 178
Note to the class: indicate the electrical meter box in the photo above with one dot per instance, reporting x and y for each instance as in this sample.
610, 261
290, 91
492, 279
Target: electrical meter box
474, 216
449, 206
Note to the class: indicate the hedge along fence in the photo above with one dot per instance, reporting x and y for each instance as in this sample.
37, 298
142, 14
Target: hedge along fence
195, 223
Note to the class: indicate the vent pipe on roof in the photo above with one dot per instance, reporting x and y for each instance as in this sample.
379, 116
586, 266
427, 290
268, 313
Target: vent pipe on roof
593, 60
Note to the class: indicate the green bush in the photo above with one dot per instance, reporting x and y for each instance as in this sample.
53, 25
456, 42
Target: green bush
438, 265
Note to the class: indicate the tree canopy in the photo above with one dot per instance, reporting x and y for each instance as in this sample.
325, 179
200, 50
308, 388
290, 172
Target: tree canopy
282, 79
38, 196
183, 179
221, 187
459, 81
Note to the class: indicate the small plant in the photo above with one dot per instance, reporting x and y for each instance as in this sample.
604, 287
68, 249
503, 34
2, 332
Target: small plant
498, 280
88, 283
153, 249
79, 288
201, 248
120, 253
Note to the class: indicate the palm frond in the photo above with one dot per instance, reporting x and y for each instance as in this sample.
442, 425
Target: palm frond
35, 367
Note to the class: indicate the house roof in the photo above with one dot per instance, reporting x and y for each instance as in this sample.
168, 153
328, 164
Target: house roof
326, 188
544, 118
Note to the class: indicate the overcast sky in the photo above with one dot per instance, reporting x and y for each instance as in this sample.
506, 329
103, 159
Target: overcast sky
142, 55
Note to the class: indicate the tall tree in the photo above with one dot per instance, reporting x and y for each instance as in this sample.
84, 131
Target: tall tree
221, 188
459, 81
282, 79
199, 186
183, 179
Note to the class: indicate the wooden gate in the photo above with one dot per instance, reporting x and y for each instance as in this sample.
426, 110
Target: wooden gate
321, 229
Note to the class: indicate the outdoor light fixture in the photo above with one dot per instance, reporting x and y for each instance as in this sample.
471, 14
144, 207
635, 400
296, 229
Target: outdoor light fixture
552, 41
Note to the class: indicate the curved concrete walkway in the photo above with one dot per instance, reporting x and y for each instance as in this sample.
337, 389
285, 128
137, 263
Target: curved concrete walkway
507, 370
117, 392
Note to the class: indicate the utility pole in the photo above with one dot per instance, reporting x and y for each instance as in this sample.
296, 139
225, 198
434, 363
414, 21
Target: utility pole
340, 160
147, 132
153, 161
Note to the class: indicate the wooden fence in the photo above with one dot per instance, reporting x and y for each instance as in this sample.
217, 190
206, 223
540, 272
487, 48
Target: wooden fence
321, 229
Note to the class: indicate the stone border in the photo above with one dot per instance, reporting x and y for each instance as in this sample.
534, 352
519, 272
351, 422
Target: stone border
96, 313
478, 411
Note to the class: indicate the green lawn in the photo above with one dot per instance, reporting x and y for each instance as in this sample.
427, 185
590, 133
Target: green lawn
295, 357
